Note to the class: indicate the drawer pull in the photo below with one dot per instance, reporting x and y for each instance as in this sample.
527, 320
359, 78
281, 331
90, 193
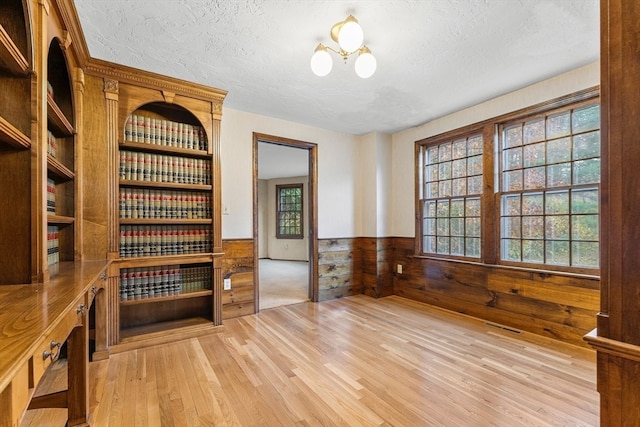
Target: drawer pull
103, 276
82, 309
53, 355
94, 290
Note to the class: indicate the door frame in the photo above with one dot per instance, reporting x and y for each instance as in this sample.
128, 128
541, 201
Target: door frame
312, 205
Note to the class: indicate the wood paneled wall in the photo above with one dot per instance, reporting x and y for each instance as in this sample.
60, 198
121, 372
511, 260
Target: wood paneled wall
237, 264
377, 266
553, 305
339, 268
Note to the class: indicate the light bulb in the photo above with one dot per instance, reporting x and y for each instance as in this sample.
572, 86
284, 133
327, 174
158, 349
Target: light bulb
366, 63
350, 36
321, 62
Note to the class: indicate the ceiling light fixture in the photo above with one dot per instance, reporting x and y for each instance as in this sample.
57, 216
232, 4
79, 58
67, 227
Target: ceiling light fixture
349, 36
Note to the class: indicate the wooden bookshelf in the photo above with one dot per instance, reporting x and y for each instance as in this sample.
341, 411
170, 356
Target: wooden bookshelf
185, 295
12, 136
11, 58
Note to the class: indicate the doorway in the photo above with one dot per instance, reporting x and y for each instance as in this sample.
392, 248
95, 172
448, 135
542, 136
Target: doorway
285, 251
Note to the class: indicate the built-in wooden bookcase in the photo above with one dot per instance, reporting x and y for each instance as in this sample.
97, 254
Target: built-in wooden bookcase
15, 142
60, 158
165, 221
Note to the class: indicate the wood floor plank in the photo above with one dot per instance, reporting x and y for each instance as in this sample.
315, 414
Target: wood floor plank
356, 361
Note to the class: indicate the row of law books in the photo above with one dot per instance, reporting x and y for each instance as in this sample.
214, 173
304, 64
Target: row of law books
162, 281
51, 196
150, 130
52, 144
151, 167
53, 245
163, 240
164, 204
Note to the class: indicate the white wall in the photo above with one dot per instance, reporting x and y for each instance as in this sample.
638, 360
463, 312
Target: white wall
337, 161
403, 184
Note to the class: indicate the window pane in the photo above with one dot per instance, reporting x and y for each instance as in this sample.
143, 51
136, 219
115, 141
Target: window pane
444, 189
558, 125
557, 253
443, 208
432, 190
557, 227
432, 155
533, 227
557, 202
457, 226
586, 254
511, 227
473, 247
513, 136
534, 178
586, 171
459, 187
444, 170
473, 227
443, 227
586, 145
431, 173
559, 150
533, 131
584, 201
533, 251
474, 146
459, 168
460, 149
584, 227
559, 175
534, 155
511, 250
429, 244
473, 207
511, 205
585, 119
443, 245
475, 165
532, 204
444, 152
457, 208
429, 226
513, 180
474, 185
513, 158
430, 208
457, 246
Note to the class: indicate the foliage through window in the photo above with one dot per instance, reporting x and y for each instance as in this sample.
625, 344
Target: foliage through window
451, 203
550, 175
289, 211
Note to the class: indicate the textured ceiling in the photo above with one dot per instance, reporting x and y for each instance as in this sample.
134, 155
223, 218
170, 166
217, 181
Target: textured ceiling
434, 56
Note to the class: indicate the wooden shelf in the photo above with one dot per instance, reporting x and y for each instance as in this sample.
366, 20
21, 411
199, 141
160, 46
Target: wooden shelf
57, 119
163, 149
12, 136
164, 260
59, 170
152, 300
164, 185
10, 55
59, 219
160, 332
165, 221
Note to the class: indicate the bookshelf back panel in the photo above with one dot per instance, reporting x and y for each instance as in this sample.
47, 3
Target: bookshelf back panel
15, 101
13, 19
165, 311
15, 223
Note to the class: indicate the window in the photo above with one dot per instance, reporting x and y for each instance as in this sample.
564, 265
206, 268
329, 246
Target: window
550, 174
452, 186
522, 189
289, 211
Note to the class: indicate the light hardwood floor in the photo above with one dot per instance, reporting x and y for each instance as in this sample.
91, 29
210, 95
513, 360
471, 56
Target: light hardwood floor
355, 361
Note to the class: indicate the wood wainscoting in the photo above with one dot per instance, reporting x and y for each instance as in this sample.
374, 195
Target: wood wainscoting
339, 268
237, 264
553, 305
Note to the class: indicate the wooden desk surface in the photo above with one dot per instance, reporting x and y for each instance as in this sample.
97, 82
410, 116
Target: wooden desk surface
28, 312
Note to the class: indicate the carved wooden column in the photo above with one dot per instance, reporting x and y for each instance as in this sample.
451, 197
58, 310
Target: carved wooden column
79, 144
617, 339
111, 91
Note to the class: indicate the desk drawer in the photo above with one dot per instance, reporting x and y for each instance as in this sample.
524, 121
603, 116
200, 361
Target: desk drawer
50, 346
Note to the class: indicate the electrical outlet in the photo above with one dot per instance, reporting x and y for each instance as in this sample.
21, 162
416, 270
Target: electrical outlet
227, 284
399, 268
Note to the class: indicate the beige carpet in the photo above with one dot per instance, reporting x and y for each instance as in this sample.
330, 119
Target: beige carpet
283, 283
